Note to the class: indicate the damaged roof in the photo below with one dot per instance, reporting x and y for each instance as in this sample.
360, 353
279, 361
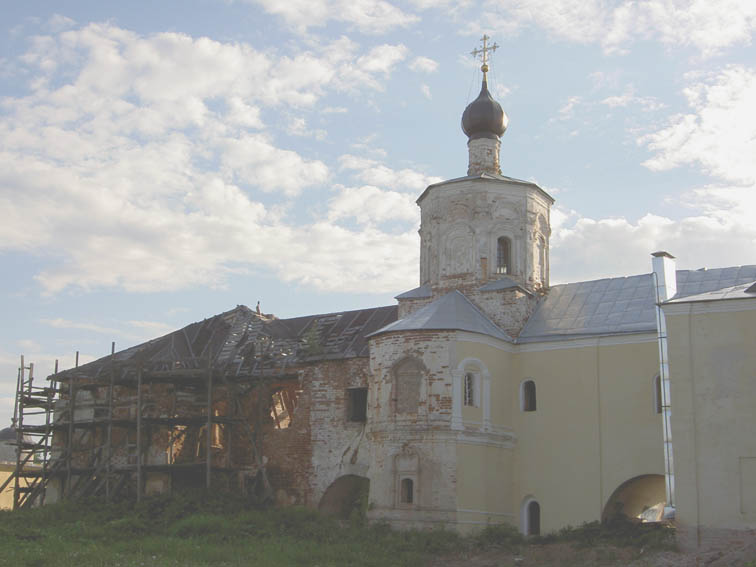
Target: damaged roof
242, 337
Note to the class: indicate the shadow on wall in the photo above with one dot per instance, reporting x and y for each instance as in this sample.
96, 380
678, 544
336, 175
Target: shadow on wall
642, 498
346, 495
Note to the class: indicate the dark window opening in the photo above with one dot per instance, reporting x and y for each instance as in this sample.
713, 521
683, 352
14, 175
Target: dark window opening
503, 265
407, 496
469, 389
534, 518
528, 396
357, 404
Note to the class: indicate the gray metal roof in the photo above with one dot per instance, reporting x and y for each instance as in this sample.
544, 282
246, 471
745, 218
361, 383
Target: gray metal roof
503, 283
618, 305
422, 292
452, 311
743, 291
485, 175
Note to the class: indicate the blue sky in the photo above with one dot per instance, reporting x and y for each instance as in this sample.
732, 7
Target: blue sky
161, 162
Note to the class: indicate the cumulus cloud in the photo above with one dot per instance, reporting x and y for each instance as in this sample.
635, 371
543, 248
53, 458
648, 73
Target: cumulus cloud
372, 205
145, 161
423, 65
716, 225
706, 25
373, 172
719, 134
369, 16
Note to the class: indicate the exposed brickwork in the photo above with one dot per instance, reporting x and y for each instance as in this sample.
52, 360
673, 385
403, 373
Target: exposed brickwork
424, 433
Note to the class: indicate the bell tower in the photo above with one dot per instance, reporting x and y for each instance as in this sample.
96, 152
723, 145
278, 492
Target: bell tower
485, 231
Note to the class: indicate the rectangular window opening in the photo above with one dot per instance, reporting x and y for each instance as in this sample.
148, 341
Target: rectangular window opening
357, 404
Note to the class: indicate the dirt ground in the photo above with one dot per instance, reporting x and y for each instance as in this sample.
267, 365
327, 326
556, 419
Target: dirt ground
570, 555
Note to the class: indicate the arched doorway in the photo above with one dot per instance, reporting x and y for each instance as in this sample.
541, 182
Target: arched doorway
345, 494
530, 517
642, 497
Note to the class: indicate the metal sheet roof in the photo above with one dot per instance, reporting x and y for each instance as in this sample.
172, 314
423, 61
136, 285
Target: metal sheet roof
452, 311
618, 305
743, 291
503, 283
422, 292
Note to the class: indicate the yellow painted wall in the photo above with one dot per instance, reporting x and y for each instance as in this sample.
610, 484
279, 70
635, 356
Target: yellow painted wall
595, 427
712, 357
499, 364
484, 480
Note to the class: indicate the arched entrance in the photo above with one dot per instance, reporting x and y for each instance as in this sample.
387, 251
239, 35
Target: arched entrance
345, 494
642, 497
530, 517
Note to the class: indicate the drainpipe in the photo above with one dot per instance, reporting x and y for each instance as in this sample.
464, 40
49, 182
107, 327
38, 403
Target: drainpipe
665, 286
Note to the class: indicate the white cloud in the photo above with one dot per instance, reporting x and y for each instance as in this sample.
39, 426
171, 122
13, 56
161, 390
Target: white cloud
716, 225
143, 164
567, 111
630, 99
423, 65
369, 16
707, 25
253, 160
716, 235
374, 173
425, 89
372, 205
720, 133
297, 126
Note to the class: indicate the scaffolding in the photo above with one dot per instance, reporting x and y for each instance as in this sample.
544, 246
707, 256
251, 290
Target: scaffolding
99, 433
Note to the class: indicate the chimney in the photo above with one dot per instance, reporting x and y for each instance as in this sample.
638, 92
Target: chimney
663, 264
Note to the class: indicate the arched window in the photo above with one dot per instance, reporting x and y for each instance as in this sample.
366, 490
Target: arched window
528, 396
471, 393
532, 523
503, 256
407, 496
657, 394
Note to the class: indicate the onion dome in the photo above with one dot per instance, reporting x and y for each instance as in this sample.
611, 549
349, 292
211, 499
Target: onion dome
483, 117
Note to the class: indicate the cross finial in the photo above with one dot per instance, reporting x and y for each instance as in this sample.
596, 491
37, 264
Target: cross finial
483, 53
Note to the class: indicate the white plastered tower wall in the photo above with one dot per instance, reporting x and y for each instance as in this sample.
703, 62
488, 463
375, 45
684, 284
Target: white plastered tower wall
461, 224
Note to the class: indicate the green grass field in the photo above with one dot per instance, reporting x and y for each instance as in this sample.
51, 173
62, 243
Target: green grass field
225, 531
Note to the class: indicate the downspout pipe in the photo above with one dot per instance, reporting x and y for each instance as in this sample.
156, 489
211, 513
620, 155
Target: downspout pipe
665, 286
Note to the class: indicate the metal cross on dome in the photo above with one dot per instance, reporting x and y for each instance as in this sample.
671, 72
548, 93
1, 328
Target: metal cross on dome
483, 53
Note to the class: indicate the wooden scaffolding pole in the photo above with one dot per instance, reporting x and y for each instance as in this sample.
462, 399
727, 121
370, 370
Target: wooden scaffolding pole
209, 432
18, 423
69, 440
140, 480
109, 440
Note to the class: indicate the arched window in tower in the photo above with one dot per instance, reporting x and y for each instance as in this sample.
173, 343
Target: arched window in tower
472, 391
503, 255
528, 396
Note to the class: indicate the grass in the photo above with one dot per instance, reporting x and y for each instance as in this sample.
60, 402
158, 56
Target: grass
225, 531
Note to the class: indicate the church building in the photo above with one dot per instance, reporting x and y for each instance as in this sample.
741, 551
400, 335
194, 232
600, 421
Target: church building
485, 396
